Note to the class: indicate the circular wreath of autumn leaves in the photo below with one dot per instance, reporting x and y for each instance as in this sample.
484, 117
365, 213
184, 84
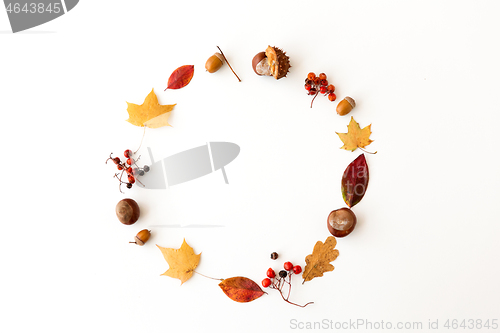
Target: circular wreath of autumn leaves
183, 261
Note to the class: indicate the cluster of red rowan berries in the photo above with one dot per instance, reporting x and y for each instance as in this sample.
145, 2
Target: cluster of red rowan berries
319, 84
127, 168
283, 278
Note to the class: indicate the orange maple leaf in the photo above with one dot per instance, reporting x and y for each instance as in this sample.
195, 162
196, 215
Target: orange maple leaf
150, 113
181, 262
355, 136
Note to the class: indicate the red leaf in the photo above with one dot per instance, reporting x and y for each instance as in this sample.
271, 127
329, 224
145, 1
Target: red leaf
180, 77
241, 289
355, 181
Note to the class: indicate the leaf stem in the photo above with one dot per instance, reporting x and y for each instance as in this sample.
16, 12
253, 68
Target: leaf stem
208, 277
367, 151
228, 63
143, 134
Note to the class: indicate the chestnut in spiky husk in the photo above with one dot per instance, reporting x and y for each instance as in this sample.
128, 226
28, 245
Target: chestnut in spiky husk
272, 62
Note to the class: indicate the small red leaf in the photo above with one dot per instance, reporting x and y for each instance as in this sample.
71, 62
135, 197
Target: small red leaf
241, 289
355, 181
180, 77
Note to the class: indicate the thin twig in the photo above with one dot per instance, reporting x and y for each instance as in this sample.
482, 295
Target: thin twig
228, 63
314, 98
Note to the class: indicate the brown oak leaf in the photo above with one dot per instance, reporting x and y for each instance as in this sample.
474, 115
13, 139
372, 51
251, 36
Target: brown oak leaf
181, 262
318, 262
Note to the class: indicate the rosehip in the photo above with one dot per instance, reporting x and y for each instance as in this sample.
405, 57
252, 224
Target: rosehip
266, 282
288, 265
270, 273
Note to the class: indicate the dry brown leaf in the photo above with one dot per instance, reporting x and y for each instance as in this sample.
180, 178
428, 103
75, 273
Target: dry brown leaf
150, 113
318, 262
181, 262
355, 136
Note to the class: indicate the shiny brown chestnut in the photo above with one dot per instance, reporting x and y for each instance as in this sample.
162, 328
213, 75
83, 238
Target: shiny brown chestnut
341, 222
127, 211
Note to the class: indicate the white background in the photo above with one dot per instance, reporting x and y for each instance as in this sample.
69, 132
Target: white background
426, 76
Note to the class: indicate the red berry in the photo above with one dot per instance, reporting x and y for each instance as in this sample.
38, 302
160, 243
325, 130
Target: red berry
266, 282
297, 269
322, 89
330, 88
288, 265
317, 81
127, 153
332, 97
116, 160
129, 170
312, 91
270, 273
311, 76
130, 161
119, 167
322, 76
131, 179
324, 82
307, 86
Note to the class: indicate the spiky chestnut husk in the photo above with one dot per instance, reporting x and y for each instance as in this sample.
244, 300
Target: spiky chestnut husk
278, 61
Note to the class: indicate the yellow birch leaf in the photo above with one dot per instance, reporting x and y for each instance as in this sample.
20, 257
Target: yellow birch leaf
147, 112
181, 262
355, 136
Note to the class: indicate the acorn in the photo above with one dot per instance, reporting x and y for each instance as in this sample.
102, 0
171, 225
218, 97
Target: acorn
214, 63
127, 211
345, 106
142, 237
272, 62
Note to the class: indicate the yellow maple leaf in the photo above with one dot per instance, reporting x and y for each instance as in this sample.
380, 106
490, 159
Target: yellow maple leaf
150, 113
355, 136
181, 262
318, 262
